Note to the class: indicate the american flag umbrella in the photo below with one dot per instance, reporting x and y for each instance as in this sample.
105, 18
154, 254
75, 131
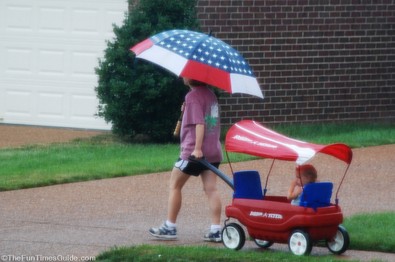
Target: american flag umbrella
201, 57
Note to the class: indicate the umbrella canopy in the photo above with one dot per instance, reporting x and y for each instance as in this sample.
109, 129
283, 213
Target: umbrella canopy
251, 138
201, 57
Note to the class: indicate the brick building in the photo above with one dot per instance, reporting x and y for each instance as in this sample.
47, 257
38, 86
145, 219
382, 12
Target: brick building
316, 60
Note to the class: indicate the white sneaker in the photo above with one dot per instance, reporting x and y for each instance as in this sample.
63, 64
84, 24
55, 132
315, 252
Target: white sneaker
164, 232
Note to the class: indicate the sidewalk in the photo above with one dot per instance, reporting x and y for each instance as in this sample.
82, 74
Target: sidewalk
85, 219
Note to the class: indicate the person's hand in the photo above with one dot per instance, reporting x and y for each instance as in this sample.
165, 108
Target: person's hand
197, 153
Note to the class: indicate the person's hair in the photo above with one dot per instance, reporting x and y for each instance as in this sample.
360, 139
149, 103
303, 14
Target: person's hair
308, 171
194, 82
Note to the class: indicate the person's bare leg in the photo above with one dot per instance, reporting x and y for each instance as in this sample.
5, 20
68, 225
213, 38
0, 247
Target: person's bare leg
209, 180
177, 182
168, 229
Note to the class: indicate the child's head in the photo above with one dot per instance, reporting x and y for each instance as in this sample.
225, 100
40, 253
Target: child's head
308, 173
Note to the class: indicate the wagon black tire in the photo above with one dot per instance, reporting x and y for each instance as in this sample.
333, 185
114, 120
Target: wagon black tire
299, 243
233, 236
263, 243
340, 242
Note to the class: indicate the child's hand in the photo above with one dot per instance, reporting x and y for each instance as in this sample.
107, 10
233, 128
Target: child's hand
294, 189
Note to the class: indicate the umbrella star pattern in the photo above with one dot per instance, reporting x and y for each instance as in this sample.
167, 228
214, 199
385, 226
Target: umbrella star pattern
210, 51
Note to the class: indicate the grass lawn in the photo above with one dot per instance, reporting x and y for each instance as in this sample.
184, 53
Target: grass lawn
200, 254
80, 161
373, 232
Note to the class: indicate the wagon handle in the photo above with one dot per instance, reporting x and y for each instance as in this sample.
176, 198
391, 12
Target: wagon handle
216, 171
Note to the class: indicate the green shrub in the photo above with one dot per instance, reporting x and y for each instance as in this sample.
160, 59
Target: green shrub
136, 97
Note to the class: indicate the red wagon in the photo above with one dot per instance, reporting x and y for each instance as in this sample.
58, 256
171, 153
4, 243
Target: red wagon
272, 219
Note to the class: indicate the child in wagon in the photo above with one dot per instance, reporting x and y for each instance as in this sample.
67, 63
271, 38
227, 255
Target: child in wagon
304, 174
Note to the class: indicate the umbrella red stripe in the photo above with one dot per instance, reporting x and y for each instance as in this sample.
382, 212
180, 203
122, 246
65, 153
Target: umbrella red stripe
142, 46
202, 72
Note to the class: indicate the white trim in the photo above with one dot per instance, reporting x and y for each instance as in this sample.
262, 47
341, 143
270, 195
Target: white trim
164, 58
245, 85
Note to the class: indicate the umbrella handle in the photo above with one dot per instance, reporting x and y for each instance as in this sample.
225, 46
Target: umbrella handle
176, 132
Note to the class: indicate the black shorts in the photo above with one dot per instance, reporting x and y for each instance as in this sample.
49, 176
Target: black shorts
192, 168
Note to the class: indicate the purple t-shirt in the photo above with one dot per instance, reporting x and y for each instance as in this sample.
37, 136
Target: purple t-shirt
201, 107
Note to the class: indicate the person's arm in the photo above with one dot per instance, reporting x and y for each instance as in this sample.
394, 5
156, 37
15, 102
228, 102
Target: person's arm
294, 190
197, 152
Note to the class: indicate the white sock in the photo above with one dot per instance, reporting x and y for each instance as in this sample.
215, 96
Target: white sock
215, 228
170, 224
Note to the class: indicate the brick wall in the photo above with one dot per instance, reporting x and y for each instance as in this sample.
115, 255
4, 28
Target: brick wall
316, 60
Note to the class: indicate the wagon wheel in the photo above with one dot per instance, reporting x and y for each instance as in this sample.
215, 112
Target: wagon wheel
233, 236
263, 243
299, 243
340, 242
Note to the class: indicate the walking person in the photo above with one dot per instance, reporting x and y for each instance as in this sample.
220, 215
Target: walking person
200, 137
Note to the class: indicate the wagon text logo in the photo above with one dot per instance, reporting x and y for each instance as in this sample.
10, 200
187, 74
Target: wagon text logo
266, 215
256, 143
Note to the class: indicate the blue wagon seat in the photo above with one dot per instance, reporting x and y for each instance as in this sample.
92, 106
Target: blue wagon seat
316, 195
247, 184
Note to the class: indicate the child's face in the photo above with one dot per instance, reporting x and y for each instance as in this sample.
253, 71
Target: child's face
305, 179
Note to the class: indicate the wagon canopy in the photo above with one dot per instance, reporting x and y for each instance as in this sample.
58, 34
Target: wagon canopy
250, 137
